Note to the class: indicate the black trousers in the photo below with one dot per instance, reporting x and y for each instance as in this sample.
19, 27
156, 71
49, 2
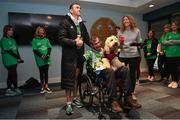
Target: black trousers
133, 64
138, 68
150, 63
43, 70
173, 64
162, 66
112, 77
12, 76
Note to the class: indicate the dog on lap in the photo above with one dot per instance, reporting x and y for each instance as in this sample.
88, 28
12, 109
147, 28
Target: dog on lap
113, 70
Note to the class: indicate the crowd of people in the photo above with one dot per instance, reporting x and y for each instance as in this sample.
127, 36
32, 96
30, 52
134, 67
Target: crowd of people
73, 36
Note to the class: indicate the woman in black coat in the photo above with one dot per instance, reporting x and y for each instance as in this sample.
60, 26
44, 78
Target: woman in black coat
72, 36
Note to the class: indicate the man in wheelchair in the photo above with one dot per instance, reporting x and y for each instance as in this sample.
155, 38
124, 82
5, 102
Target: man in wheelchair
95, 61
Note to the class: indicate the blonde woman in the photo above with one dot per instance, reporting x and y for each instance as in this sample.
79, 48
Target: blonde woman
42, 49
129, 35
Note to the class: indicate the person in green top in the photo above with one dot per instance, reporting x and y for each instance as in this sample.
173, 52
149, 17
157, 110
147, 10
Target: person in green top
172, 51
42, 49
162, 66
150, 53
10, 59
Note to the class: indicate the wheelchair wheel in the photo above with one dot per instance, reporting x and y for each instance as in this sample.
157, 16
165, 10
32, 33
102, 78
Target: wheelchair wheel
86, 89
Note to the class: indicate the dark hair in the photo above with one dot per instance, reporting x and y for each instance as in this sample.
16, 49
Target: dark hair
153, 32
6, 29
93, 39
175, 22
75, 3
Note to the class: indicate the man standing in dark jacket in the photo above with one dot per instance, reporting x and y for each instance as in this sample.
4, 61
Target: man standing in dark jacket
72, 36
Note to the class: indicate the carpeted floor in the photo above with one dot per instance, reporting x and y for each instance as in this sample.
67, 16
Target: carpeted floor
158, 102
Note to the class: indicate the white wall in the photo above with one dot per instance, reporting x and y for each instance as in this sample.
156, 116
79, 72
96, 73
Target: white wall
29, 69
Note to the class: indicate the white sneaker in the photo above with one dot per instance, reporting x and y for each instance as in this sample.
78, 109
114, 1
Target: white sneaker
10, 92
152, 78
48, 90
149, 77
174, 85
137, 82
170, 85
18, 91
42, 90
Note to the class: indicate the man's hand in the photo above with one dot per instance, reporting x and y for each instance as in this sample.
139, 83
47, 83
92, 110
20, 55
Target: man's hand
79, 41
45, 57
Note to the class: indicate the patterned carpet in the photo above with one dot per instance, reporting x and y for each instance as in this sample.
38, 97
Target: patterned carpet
158, 102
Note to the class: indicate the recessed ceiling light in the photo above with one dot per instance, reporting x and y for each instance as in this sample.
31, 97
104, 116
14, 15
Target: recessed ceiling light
49, 17
151, 5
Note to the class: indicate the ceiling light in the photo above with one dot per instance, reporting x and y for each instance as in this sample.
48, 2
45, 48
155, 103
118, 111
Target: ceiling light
151, 5
49, 17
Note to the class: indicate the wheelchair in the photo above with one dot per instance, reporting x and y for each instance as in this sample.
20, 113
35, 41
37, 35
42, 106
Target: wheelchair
93, 85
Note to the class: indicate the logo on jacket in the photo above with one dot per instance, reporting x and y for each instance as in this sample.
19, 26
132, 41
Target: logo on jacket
71, 27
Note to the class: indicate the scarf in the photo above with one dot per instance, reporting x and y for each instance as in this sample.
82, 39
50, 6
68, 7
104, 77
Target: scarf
76, 21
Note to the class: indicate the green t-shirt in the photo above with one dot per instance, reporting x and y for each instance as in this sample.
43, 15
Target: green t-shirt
149, 45
8, 43
173, 50
41, 45
78, 29
161, 40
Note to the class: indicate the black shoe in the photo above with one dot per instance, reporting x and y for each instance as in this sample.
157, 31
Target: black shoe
132, 103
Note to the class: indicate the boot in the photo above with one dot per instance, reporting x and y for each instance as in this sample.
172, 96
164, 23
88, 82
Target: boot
132, 103
115, 106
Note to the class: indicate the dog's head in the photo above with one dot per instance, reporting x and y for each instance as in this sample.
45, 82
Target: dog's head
111, 43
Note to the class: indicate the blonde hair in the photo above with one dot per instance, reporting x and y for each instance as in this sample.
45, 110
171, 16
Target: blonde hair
37, 31
132, 23
166, 26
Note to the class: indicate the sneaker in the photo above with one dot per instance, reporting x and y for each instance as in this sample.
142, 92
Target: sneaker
69, 109
152, 78
174, 85
42, 90
10, 92
18, 91
170, 85
115, 107
137, 82
149, 77
132, 103
48, 90
76, 102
